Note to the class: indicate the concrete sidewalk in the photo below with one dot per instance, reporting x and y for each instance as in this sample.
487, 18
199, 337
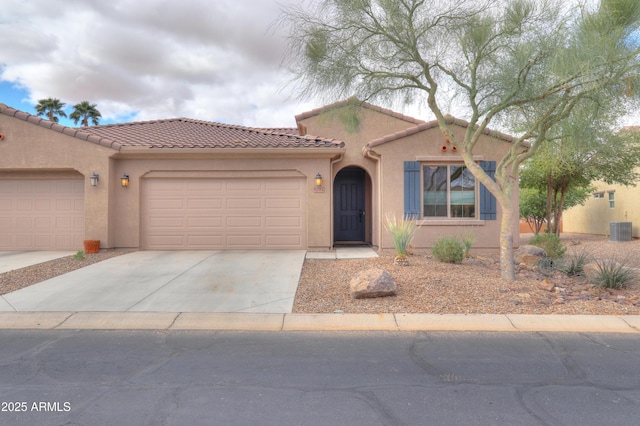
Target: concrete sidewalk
317, 322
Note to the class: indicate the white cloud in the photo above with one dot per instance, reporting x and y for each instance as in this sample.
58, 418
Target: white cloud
211, 60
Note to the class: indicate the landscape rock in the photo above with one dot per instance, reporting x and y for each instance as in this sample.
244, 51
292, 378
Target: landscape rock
547, 285
372, 283
529, 255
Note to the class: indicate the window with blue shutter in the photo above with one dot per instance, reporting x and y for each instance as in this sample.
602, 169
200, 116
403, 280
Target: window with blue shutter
488, 209
412, 189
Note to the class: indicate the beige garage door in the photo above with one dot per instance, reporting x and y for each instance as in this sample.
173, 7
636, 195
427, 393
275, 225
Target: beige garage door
235, 213
41, 214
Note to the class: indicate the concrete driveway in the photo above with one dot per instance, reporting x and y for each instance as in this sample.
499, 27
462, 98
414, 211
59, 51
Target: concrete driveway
262, 281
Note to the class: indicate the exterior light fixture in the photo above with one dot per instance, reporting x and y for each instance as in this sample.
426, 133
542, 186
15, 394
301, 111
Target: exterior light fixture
94, 178
124, 180
318, 187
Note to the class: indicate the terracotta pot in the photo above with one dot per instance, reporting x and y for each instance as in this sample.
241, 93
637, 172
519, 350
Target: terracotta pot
91, 246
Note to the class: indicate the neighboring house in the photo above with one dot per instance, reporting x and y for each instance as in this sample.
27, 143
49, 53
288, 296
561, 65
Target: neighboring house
609, 203
201, 185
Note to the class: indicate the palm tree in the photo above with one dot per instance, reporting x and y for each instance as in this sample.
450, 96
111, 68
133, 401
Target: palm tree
51, 108
85, 111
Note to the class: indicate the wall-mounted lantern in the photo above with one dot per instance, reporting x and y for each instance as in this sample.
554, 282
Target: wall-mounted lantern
318, 187
124, 180
94, 178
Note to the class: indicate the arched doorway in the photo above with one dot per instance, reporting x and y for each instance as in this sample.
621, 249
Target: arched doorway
350, 206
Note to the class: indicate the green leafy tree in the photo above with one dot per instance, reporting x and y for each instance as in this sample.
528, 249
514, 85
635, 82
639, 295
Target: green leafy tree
532, 208
528, 62
51, 108
85, 111
585, 149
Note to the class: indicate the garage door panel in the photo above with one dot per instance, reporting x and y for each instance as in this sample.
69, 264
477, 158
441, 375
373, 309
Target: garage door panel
42, 223
42, 214
244, 241
244, 203
244, 222
225, 213
205, 241
285, 185
283, 241
204, 204
294, 222
204, 222
244, 185
283, 203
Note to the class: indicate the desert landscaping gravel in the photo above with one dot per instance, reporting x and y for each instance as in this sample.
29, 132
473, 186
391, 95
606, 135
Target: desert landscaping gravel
428, 286
473, 287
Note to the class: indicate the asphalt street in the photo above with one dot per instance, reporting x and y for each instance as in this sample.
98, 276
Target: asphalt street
89, 377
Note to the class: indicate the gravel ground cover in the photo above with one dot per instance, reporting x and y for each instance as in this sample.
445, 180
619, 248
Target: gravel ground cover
428, 286
473, 287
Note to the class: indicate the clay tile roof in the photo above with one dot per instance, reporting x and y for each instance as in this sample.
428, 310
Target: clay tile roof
80, 133
449, 119
182, 133
188, 133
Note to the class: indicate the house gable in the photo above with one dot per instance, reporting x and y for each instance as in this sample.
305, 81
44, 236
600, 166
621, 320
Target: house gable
352, 120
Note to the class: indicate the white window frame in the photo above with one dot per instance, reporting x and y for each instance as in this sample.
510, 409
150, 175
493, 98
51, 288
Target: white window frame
612, 199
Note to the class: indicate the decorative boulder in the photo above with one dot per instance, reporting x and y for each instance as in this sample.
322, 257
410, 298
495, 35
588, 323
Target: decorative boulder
372, 283
529, 255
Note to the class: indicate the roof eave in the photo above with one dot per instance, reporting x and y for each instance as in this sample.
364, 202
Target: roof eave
320, 152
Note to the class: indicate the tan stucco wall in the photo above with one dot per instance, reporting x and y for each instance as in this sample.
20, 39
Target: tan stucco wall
112, 213
372, 125
596, 215
128, 200
387, 174
30, 148
425, 146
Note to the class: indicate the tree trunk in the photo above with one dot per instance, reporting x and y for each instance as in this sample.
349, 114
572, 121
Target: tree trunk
507, 267
549, 204
560, 208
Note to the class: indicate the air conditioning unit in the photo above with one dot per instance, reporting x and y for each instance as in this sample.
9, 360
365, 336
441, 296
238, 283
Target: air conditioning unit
620, 231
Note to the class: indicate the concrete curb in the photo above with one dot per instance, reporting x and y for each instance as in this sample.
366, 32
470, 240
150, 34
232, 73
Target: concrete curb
316, 322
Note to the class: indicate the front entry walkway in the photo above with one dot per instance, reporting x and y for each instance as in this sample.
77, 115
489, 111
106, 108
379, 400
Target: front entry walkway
344, 253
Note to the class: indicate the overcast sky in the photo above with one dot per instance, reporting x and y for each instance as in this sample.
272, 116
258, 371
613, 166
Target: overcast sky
216, 60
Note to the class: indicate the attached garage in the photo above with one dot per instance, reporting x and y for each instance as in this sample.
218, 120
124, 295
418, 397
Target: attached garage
224, 213
41, 214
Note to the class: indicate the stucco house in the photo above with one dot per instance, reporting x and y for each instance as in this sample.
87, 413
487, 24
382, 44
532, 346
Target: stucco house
609, 203
189, 184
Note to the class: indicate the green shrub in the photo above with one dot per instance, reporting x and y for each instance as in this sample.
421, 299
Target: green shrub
402, 231
547, 265
449, 250
550, 243
573, 264
79, 255
611, 274
467, 241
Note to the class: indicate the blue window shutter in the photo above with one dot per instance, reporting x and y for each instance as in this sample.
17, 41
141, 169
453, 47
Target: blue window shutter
411, 189
488, 209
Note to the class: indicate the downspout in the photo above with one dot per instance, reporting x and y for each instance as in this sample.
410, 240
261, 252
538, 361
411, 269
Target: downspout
337, 159
367, 152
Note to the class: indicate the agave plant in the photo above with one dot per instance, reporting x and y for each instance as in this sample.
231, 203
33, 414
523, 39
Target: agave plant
402, 231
